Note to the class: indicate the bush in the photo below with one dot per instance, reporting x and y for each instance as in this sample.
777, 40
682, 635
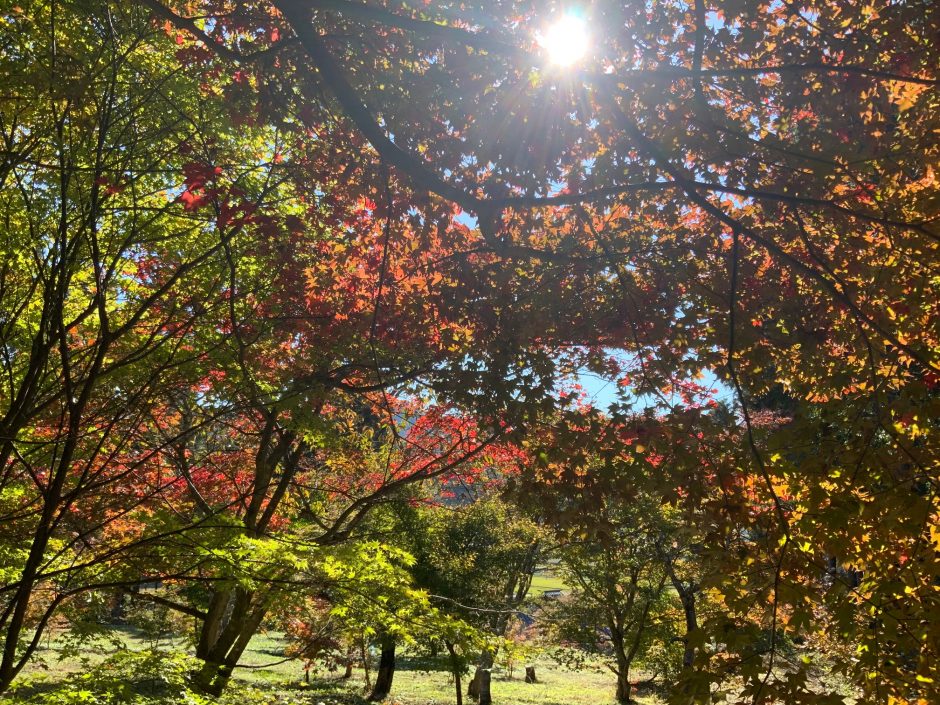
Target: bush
126, 677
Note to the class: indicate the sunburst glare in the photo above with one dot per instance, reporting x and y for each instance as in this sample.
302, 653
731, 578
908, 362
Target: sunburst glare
566, 40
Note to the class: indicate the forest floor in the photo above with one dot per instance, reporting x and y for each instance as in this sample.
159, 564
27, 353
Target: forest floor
266, 678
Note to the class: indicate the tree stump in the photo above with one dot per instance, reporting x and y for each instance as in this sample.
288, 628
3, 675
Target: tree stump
485, 698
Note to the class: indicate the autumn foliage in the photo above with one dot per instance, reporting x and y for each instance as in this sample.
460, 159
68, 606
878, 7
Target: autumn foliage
270, 267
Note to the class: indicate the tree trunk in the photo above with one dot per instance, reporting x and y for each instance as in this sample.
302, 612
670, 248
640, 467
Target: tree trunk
473, 688
479, 688
212, 678
483, 676
691, 624
455, 668
364, 654
235, 614
623, 656
232, 619
386, 672
118, 613
687, 592
623, 687
12, 662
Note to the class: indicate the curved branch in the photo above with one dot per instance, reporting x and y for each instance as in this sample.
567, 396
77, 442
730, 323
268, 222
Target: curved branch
355, 108
690, 188
189, 24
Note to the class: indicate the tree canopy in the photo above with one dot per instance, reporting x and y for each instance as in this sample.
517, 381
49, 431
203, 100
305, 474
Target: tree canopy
266, 264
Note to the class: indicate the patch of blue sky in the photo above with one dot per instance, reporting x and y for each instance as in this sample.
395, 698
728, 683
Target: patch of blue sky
603, 392
467, 219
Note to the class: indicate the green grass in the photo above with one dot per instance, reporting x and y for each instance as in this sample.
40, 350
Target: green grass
545, 579
555, 687
273, 680
267, 678
415, 686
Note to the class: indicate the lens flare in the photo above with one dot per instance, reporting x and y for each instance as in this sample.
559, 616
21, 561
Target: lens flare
565, 41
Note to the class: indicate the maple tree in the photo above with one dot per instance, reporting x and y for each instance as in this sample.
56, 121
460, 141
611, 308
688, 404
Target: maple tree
750, 187
266, 263
193, 392
618, 601
91, 132
477, 558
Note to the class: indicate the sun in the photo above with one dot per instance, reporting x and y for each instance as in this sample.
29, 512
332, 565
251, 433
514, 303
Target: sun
566, 40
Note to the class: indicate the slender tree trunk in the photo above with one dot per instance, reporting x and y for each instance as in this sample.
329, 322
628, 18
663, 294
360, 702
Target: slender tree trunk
9, 665
691, 624
687, 592
455, 668
623, 656
235, 614
364, 653
386, 672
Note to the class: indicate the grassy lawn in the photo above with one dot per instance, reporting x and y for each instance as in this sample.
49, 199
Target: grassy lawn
274, 681
265, 677
545, 579
556, 687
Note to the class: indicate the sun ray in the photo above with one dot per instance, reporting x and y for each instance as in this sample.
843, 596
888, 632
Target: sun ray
566, 40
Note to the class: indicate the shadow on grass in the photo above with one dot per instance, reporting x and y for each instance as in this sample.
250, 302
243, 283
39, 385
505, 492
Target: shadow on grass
330, 690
